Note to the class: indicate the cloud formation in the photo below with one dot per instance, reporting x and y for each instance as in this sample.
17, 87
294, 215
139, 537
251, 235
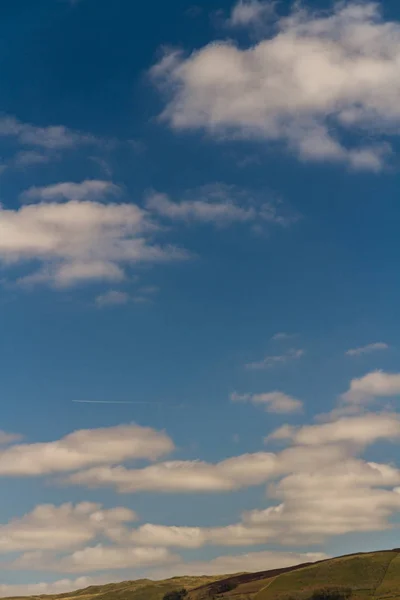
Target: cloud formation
96, 558
249, 562
367, 349
59, 586
376, 383
51, 138
112, 298
182, 476
220, 205
250, 13
53, 528
274, 402
83, 448
90, 189
272, 361
359, 430
77, 241
318, 78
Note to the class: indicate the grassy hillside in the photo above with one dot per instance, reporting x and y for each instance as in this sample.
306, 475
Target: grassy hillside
370, 576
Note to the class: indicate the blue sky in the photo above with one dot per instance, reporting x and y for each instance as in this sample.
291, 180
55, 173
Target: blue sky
199, 287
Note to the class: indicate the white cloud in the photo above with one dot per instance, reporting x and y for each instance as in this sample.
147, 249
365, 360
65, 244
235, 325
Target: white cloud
376, 383
220, 205
9, 438
324, 492
79, 240
323, 502
281, 336
271, 361
50, 138
367, 349
250, 562
197, 476
50, 527
183, 476
90, 189
112, 298
359, 430
274, 402
198, 210
317, 77
250, 12
83, 448
285, 432
96, 558
45, 588
27, 158
165, 536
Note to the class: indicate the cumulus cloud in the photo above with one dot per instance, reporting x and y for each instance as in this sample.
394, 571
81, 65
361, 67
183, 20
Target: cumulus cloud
79, 241
318, 78
53, 587
376, 383
359, 430
96, 558
90, 189
274, 402
56, 528
321, 503
323, 489
367, 349
182, 476
199, 477
84, 448
272, 361
249, 562
9, 438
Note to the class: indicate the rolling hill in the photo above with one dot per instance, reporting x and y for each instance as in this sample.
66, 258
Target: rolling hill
369, 576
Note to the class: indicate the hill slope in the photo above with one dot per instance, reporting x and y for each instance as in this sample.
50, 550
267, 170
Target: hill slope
371, 576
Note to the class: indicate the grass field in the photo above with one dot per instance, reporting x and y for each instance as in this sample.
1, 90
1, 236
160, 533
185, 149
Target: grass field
371, 576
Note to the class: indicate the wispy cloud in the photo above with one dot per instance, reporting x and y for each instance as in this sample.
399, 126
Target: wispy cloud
112, 298
90, 189
221, 205
251, 13
273, 402
142, 295
367, 349
282, 336
54, 137
272, 361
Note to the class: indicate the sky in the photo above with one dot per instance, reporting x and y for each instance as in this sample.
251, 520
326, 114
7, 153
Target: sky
199, 287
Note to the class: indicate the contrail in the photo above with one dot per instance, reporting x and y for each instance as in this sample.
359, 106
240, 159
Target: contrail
127, 402
112, 402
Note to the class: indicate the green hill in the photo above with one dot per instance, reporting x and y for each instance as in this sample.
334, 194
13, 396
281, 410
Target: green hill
366, 576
